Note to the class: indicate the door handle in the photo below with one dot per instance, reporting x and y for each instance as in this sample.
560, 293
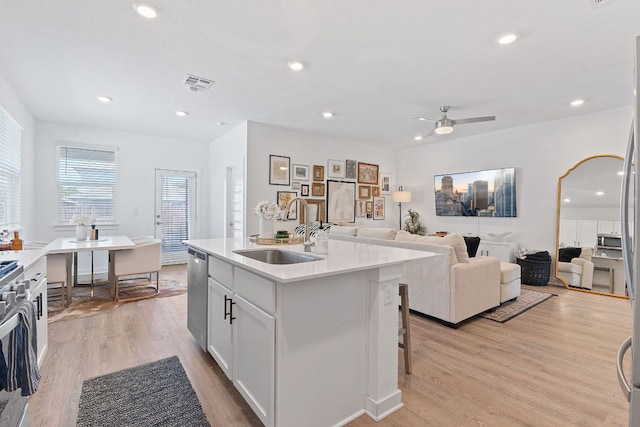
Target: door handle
624, 384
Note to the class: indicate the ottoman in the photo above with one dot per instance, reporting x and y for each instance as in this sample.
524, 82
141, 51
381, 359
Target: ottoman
509, 281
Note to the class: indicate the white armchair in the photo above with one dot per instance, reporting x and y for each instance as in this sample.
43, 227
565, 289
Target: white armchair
130, 264
579, 272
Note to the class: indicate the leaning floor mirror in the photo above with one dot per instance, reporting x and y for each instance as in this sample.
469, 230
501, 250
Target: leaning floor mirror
588, 233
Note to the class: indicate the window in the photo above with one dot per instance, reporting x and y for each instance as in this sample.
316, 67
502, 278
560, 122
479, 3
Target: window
86, 183
10, 148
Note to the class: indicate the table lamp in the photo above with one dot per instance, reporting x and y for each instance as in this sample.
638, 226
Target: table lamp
400, 197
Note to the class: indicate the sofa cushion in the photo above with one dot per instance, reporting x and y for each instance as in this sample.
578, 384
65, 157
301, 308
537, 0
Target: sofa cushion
567, 254
377, 232
472, 242
347, 231
509, 272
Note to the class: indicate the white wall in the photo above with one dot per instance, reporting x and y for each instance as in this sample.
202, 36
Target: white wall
308, 149
11, 102
138, 157
229, 150
540, 153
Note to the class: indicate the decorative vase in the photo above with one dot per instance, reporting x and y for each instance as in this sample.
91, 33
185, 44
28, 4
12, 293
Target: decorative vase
81, 232
267, 228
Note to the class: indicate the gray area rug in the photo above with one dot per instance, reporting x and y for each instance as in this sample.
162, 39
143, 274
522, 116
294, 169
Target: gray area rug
511, 309
156, 394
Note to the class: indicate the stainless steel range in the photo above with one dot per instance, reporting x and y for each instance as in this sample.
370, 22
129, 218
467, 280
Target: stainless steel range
14, 408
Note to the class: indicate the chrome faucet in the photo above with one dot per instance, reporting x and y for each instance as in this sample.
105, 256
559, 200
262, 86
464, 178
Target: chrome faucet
307, 241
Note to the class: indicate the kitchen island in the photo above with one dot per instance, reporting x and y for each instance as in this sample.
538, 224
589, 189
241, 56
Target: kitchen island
312, 343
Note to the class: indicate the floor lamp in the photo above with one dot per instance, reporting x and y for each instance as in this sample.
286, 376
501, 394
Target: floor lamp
401, 197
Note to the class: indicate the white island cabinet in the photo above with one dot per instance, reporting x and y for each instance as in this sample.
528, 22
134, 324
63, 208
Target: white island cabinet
314, 343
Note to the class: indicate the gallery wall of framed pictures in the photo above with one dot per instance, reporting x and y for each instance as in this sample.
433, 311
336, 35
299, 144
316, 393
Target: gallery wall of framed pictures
343, 189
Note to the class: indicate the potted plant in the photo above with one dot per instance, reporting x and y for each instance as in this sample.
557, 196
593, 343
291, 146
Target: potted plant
413, 225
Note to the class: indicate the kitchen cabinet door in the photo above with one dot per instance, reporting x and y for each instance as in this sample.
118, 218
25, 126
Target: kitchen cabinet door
587, 233
504, 251
220, 328
37, 277
254, 362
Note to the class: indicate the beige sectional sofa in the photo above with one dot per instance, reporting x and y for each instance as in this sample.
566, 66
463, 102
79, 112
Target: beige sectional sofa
450, 286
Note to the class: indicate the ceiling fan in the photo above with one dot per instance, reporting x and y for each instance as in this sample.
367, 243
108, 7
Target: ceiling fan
445, 125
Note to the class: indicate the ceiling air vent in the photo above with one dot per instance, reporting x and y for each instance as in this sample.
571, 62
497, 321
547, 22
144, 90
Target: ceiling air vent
197, 84
600, 3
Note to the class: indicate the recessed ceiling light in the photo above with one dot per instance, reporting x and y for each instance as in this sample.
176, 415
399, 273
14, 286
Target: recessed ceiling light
599, 193
181, 113
567, 200
327, 114
146, 10
576, 102
105, 99
621, 173
506, 38
295, 65
418, 138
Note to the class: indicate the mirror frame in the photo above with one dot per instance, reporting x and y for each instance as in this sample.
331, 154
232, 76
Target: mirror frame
555, 269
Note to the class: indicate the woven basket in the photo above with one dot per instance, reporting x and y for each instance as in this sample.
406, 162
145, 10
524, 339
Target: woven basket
534, 272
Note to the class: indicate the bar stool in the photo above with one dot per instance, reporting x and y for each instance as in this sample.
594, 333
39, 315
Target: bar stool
404, 330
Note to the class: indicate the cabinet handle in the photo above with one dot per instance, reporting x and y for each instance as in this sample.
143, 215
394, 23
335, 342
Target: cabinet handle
231, 318
226, 313
38, 307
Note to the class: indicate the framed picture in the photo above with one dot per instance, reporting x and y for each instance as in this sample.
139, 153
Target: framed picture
300, 172
350, 169
367, 173
364, 191
341, 196
283, 199
335, 169
361, 208
304, 191
369, 208
385, 183
318, 173
317, 208
375, 191
317, 189
295, 185
378, 208
279, 167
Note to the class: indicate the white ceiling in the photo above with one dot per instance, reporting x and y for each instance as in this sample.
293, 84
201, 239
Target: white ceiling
375, 63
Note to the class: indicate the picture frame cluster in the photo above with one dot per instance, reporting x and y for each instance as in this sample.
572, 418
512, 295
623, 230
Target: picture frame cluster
339, 192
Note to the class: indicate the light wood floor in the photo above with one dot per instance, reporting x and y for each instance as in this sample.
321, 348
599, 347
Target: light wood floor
553, 365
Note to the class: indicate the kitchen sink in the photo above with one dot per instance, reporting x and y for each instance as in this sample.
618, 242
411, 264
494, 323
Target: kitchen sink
277, 256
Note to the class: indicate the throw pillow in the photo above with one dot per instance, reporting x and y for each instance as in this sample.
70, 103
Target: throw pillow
567, 254
472, 242
455, 240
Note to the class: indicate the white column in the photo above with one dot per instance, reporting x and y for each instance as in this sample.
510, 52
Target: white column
383, 396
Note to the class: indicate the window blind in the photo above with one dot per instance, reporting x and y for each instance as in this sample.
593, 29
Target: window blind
176, 212
86, 184
10, 149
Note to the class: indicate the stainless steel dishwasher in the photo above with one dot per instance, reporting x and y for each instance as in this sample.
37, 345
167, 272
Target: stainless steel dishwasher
197, 296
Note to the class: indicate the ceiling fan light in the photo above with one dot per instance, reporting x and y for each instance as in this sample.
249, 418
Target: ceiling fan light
444, 127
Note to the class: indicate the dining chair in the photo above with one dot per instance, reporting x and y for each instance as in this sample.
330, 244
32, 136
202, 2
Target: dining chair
133, 269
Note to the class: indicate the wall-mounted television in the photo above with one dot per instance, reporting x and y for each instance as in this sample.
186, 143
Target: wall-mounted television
478, 193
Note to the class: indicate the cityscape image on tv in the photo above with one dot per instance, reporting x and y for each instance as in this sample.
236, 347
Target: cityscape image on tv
481, 193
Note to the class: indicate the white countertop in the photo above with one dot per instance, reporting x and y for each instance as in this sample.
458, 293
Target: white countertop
25, 258
342, 257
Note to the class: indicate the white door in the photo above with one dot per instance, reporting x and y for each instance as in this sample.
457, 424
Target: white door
175, 213
219, 340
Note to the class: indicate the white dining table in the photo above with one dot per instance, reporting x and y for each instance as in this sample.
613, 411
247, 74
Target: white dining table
71, 246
